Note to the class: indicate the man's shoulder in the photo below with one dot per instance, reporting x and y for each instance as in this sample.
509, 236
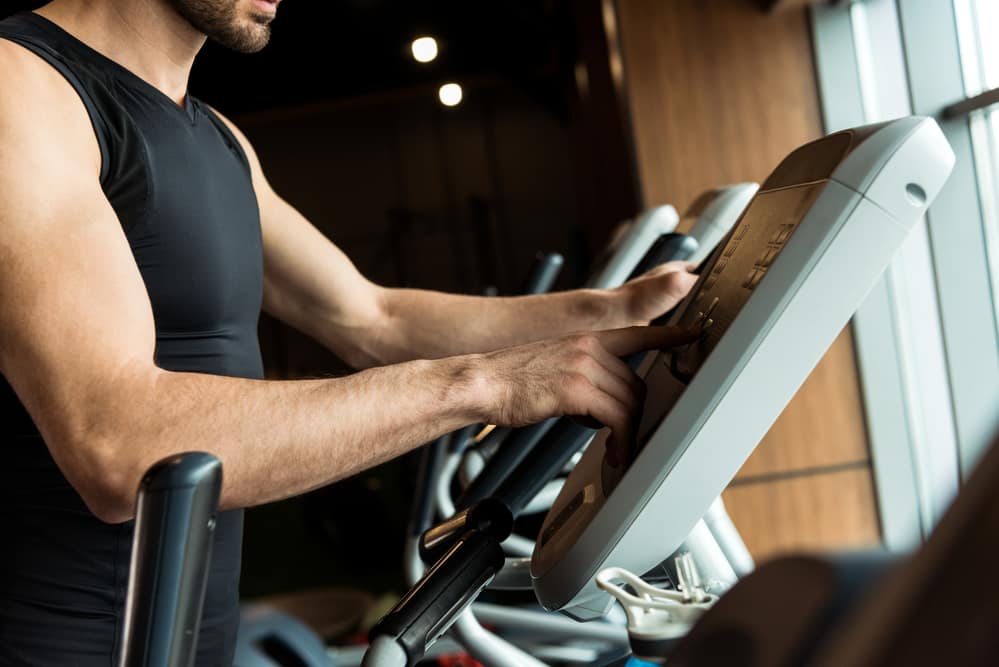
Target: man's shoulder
39, 107
17, 59
27, 79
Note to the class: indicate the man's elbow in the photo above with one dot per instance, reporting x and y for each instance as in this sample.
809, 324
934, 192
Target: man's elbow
360, 357
106, 481
111, 507
364, 340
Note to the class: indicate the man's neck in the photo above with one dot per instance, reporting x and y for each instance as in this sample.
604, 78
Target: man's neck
146, 37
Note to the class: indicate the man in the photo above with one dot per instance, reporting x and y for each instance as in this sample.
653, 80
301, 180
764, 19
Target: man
139, 239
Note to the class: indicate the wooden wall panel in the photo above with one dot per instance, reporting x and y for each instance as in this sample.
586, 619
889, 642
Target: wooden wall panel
815, 512
784, 5
603, 160
814, 431
719, 92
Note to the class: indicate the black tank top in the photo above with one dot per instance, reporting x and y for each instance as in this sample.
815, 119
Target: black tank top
181, 187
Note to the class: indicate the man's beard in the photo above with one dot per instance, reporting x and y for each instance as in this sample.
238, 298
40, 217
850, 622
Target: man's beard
219, 21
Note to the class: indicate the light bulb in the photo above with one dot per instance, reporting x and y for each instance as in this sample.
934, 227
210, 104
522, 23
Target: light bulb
450, 94
424, 49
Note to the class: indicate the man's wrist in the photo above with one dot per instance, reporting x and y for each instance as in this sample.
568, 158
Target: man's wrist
469, 391
602, 309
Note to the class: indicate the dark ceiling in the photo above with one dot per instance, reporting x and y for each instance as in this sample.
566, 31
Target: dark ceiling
324, 50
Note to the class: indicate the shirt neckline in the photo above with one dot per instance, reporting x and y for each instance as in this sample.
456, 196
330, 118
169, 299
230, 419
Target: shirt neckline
117, 68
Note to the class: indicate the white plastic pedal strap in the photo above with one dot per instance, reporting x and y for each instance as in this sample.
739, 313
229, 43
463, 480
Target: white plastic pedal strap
657, 617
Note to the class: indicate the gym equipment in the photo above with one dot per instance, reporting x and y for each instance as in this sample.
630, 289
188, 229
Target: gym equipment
436, 476
511, 456
520, 443
717, 210
542, 633
770, 301
806, 251
629, 243
178, 499
781, 609
547, 266
872, 609
271, 638
658, 617
266, 635
712, 215
938, 606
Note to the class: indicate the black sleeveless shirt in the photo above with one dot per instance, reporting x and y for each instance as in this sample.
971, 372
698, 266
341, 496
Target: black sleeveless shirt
180, 185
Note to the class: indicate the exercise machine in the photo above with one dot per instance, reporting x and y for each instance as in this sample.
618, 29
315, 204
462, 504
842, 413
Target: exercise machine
484, 462
770, 300
809, 247
710, 217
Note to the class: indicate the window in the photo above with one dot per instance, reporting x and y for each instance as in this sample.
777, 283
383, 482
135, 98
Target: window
928, 336
979, 56
980, 67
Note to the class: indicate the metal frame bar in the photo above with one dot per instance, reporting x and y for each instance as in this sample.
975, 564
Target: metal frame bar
967, 106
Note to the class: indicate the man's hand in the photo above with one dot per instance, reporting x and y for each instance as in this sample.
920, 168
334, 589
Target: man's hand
655, 293
579, 375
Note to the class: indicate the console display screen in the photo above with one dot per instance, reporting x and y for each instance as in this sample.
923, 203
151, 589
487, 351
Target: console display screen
725, 285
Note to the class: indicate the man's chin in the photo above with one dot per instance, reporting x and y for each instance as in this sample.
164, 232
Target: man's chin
252, 36
261, 18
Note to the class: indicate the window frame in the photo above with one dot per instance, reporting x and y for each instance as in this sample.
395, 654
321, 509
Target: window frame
928, 366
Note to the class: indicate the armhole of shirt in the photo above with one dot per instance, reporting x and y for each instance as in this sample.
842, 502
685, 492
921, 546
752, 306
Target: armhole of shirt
227, 134
96, 123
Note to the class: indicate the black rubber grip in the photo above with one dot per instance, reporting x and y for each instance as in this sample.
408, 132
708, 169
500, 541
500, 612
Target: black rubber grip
546, 460
488, 516
513, 450
174, 529
433, 604
667, 248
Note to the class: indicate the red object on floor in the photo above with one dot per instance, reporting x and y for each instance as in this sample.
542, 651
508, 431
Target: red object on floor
457, 660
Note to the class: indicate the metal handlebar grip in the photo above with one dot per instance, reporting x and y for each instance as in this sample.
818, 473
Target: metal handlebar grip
178, 500
546, 268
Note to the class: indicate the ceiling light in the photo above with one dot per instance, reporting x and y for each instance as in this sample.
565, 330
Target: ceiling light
424, 49
450, 94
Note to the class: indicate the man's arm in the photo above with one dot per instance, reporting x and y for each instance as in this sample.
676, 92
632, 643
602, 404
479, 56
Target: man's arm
311, 285
77, 339
421, 323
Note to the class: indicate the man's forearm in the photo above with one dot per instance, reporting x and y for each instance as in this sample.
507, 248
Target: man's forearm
312, 286
425, 324
278, 439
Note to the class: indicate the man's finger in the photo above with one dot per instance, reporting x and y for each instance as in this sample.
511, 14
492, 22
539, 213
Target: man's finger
670, 267
622, 342
604, 408
624, 391
613, 364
